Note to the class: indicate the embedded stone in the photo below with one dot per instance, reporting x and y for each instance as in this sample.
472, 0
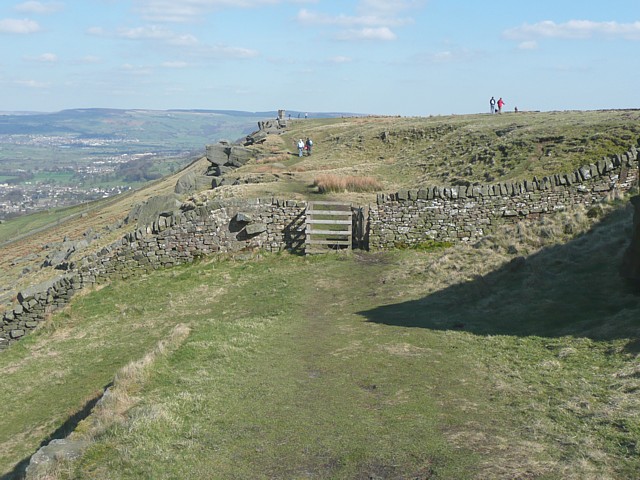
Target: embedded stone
255, 228
243, 217
585, 173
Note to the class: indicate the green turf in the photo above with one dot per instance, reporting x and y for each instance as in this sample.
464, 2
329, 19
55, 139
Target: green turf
438, 363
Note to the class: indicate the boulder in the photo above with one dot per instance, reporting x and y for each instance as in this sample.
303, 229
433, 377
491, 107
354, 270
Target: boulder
238, 156
217, 154
147, 212
630, 268
56, 450
256, 137
192, 183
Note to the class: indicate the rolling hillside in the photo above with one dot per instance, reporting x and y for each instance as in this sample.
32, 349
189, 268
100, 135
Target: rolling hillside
516, 357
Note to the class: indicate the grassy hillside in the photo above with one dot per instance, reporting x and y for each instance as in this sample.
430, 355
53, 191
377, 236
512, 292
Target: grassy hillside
452, 150
456, 363
513, 358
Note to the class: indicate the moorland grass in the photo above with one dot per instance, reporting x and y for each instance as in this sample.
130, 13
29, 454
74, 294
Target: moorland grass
514, 358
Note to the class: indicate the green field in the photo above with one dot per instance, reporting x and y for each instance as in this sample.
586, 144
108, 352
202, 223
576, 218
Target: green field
449, 363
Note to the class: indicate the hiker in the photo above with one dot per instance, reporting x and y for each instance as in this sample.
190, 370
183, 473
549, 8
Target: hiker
492, 105
308, 145
500, 104
300, 147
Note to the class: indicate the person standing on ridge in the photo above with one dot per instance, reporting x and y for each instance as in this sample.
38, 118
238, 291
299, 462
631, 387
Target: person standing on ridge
492, 105
500, 104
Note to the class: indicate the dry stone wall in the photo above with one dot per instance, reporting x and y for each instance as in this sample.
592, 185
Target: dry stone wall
465, 214
230, 226
455, 214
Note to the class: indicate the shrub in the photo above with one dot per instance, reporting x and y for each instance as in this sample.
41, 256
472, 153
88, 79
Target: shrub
336, 183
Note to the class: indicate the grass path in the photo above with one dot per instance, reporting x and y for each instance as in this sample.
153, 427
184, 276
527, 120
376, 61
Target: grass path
397, 365
295, 386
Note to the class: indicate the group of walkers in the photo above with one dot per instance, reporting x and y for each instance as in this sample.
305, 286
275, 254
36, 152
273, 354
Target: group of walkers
496, 107
304, 147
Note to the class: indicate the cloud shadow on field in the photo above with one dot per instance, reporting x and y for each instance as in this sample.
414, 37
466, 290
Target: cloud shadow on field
573, 289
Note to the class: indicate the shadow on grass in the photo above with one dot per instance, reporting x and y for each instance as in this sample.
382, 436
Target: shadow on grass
63, 431
572, 289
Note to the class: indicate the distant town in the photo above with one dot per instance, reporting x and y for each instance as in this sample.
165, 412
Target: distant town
28, 190
59, 159
28, 198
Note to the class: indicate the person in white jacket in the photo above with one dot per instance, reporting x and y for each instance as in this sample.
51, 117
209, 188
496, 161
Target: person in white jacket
300, 147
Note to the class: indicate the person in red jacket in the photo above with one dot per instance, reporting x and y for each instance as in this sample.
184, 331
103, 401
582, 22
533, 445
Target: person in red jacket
500, 104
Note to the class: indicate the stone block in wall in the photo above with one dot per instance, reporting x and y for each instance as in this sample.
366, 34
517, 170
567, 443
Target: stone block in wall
602, 167
528, 187
403, 195
255, 228
15, 334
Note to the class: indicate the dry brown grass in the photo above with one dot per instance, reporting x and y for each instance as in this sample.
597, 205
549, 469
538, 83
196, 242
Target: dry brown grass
335, 183
121, 397
275, 158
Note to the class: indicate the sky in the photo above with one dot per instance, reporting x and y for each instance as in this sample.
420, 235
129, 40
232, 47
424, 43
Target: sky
388, 57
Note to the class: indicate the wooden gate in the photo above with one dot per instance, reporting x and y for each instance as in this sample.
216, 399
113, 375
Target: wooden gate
360, 229
328, 227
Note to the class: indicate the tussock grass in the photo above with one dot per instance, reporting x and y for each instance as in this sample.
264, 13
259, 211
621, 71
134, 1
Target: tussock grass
128, 382
275, 158
116, 405
337, 184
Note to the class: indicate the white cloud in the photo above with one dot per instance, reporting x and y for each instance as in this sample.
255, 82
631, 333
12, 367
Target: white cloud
13, 25
387, 7
373, 20
39, 8
168, 37
574, 29
340, 59
158, 33
225, 51
31, 83
97, 31
449, 55
528, 45
380, 33
316, 18
45, 58
191, 10
175, 64
88, 59
139, 70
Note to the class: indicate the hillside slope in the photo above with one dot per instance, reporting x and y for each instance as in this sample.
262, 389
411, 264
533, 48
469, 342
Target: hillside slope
467, 362
395, 152
513, 358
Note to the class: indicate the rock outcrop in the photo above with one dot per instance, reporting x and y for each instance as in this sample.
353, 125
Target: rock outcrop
224, 159
159, 206
191, 182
